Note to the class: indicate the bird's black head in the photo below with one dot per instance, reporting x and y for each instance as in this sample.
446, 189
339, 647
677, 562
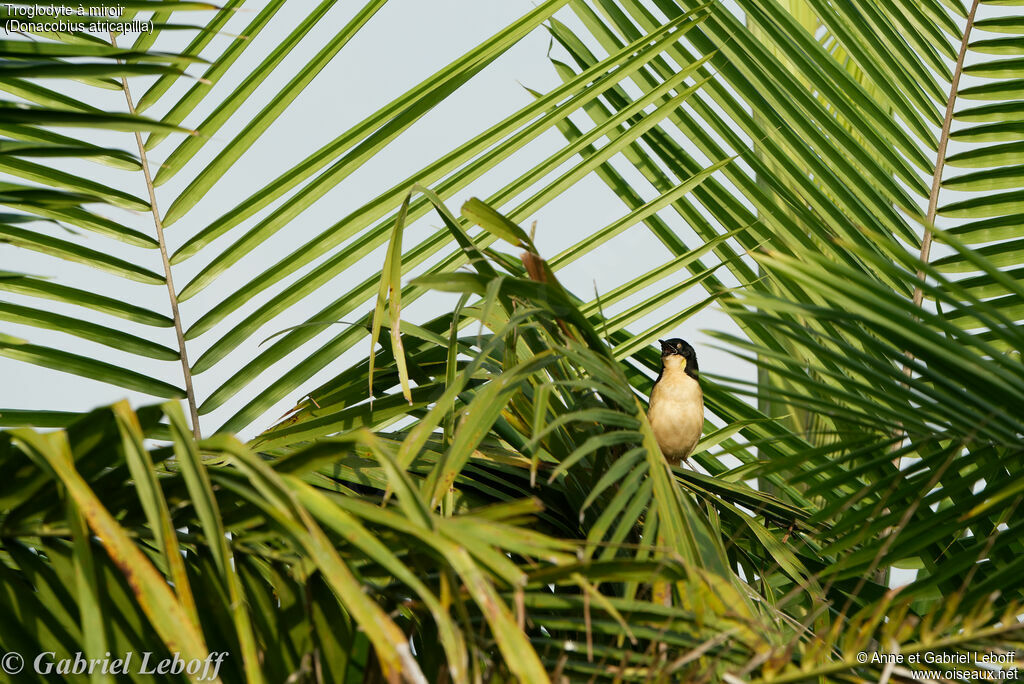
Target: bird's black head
680, 347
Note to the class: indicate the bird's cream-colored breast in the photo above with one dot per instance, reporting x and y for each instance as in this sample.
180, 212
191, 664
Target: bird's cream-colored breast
676, 413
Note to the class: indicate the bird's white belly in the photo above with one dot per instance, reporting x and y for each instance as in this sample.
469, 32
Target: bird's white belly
676, 414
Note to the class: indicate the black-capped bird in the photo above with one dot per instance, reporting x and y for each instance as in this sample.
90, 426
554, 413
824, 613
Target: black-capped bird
676, 411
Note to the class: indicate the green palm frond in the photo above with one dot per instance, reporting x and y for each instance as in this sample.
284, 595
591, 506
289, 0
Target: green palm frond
479, 496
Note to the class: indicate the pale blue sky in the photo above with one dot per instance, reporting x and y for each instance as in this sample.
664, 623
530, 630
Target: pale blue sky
406, 41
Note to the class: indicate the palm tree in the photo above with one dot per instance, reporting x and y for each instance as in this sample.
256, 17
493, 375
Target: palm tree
482, 498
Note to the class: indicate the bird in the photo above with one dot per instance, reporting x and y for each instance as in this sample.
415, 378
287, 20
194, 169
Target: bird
676, 410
